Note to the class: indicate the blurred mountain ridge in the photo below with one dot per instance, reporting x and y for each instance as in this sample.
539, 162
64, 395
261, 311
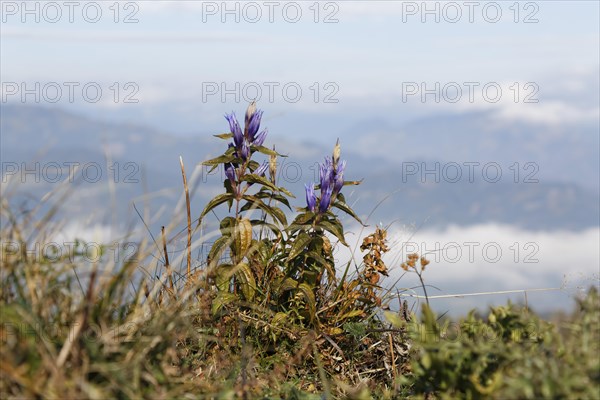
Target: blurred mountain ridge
141, 160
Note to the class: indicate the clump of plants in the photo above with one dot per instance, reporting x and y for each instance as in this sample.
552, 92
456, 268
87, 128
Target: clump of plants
277, 278
511, 354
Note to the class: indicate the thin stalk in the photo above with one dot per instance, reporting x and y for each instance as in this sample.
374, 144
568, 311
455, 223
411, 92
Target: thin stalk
189, 219
167, 265
423, 286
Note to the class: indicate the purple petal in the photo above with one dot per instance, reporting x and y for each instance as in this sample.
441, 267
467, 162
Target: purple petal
254, 125
260, 138
230, 172
311, 199
234, 126
339, 177
325, 199
244, 151
326, 175
260, 171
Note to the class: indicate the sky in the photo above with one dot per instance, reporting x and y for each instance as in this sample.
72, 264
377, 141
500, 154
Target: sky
180, 64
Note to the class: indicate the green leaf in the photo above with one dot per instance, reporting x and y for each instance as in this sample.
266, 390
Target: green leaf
334, 228
262, 250
279, 319
302, 222
222, 299
228, 186
349, 183
217, 200
287, 192
263, 194
222, 159
289, 284
273, 212
252, 205
274, 228
253, 178
229, 190
305, 218
394, 319
246, 280
242, 236
299, 244
224, 135
226, 226
309, 296
351, 314
278, 214
223, 277
253, 165
244, 277
282, 199
346, 208
319, 259
218, 248
264, 150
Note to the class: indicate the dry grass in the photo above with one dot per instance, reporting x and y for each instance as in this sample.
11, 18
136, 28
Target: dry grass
91, 326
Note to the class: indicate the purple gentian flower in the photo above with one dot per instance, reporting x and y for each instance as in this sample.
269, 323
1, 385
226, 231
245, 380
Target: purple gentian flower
243, 140
260, 171
244, 152
331, 176
311, 198
253, 125
230, 172
326, 175
260, 138
250, 112
339, 177
325, 199
234, 126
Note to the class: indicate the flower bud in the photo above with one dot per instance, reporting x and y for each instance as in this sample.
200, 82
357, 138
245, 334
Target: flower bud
311, 198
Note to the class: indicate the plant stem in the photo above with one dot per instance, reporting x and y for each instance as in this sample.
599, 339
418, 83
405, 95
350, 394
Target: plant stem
423, 286
189, 219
